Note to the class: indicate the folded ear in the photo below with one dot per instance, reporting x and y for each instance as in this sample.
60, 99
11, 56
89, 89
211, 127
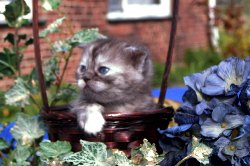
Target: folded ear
138, 56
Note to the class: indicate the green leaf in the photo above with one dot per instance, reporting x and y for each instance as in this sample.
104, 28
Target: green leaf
14, 11
149, 152
84, 37
65, 94
50, 5
29, 41
2, 100
3, 144
80, 38
50, 150
61, 46
51, 70
200, 151
52, 28
93, 153
121, 158
18, 95
21, 154
8, 62
10, 38
27, 129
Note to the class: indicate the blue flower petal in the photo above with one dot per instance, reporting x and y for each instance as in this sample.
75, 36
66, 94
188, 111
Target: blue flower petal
246, 125
231, 67
221, 111
201, 107
246, 75
185, 118
221, 142
212, 129
176, 129
214, 102
214, 86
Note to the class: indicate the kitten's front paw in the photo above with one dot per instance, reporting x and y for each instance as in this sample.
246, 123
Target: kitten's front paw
94, 120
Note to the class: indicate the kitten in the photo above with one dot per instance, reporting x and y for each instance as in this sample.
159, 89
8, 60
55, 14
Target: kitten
113, 75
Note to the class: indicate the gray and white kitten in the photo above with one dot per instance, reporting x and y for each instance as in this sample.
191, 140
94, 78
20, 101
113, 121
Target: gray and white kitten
113, 75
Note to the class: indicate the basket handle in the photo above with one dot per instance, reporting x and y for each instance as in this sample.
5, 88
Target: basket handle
168, 63
38, 56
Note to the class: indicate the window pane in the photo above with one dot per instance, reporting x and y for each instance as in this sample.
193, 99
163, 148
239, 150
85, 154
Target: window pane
115, 5
144, 1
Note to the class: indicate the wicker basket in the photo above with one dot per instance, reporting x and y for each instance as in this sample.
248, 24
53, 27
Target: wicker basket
122, 130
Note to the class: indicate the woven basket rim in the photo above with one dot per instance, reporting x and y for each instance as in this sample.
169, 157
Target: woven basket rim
62, 112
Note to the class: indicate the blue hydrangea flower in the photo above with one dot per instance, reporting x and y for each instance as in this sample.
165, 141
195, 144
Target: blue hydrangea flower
197, 80
229, 148
216, 108
218, 80
213, 129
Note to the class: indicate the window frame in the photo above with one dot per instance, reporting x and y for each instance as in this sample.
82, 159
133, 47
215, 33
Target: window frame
145, 11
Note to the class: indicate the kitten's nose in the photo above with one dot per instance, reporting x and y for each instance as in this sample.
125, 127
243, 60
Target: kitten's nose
87, 76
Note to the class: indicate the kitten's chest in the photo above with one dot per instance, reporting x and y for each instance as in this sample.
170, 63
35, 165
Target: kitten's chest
120, 108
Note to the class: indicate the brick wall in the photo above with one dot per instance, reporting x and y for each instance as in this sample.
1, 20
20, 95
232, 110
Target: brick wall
192, 31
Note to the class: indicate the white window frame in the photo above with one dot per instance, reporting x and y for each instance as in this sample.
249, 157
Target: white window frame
141, 11
3, 3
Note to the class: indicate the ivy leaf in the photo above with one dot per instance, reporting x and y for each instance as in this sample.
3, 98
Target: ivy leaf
10, 38
65, 94
29, 41
50, 5
85, 36
121, 158
50, 150
2, 101
8, 63
149, 152
27, 129
18, 95
61, 46
92, 153
51, 70
200, 151
3, 144
80, 38
52, 28
21, 154
14, 11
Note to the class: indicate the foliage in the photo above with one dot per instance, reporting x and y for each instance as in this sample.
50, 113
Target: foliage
216, 110
54, 152
96, 153
24, 94
91, 154
234, 30
14, 11
194, 60
27, 129
26, 132
30, 149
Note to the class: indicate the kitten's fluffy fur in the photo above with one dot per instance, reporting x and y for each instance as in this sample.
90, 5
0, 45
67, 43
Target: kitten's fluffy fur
113, 75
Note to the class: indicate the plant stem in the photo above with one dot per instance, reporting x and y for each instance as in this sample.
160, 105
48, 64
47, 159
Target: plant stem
183, 160
63, 72
9, 66
17, 52
34, 101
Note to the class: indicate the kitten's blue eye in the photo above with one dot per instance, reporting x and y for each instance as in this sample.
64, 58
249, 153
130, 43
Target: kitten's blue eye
83, 68
103, 70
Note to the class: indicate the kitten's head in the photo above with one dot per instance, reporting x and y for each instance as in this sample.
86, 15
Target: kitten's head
112, 70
